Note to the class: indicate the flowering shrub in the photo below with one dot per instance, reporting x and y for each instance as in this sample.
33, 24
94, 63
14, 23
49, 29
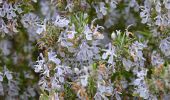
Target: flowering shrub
84, 49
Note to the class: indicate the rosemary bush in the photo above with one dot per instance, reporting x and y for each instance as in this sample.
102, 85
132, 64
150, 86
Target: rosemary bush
84, 49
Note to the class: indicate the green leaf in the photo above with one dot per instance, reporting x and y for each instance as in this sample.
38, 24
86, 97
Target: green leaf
44, 97
94, 66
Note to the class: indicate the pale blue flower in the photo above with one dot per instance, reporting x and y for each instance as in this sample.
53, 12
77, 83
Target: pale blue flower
8, 74
3, 26
55, 83
113, 4
30, 20
5, 46
61, 22
52, 57
46, 71
165, 46
28, 75
1, 77
84, 53
43, 83
13, 89
136, 52
141, 86
72, 32
45, 9
110, 52
167, 4
117, 94
159, 20
127, 64
31, 91
156, 59
97, 34
103, 9
40, 63
1, 89
70, 5
18, 8
88, 32
84, 80
2, 12
158, 6
145, 13
99, 14
41, 28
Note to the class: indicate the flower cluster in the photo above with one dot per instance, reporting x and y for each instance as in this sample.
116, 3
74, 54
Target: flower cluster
84, 49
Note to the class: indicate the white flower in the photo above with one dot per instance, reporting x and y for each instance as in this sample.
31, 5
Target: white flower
113, 35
